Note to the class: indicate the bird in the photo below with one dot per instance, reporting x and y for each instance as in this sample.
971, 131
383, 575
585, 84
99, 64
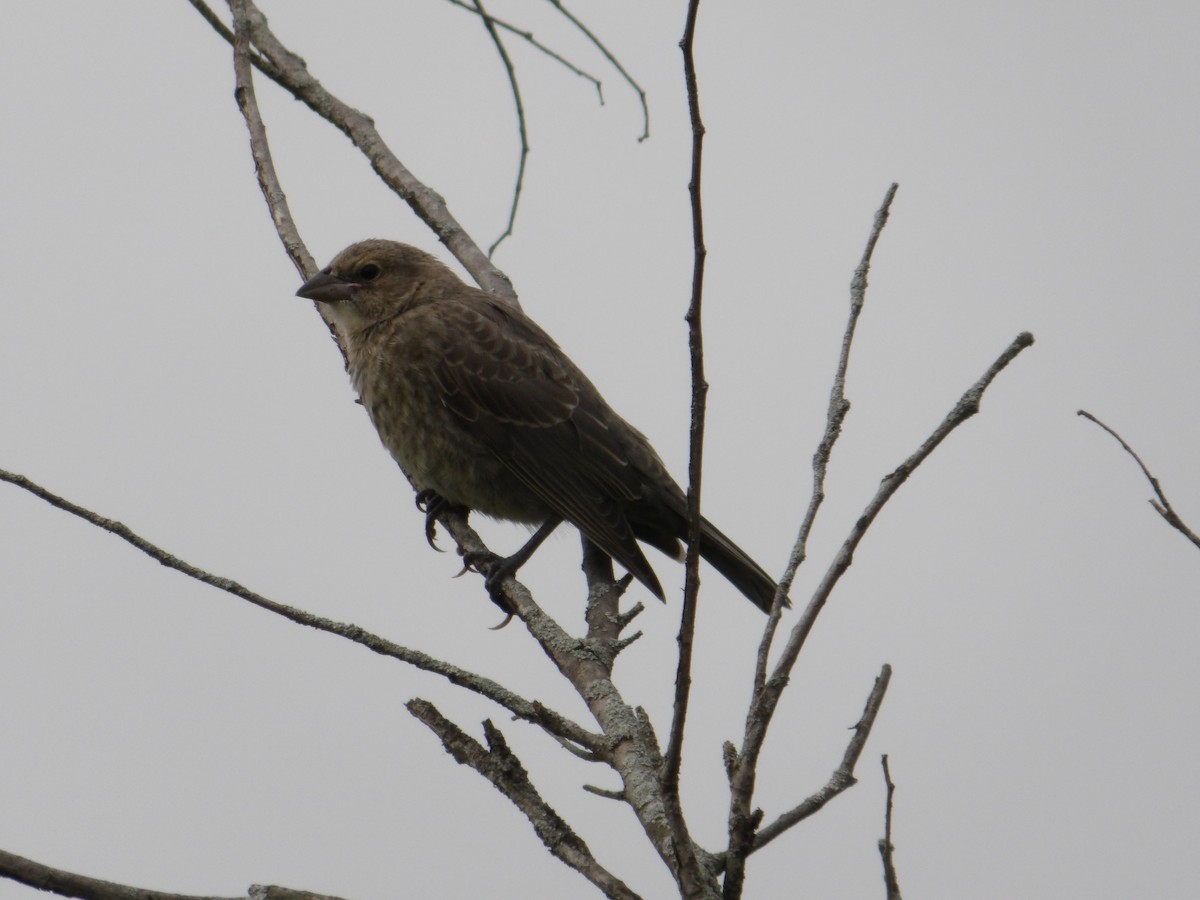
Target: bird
482, 410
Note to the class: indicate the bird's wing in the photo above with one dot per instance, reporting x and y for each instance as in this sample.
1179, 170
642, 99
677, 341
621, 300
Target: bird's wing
522, 398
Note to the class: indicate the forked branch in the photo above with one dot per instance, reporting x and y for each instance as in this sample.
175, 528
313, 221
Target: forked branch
765, 701
1160, 502
499, 765
843, 776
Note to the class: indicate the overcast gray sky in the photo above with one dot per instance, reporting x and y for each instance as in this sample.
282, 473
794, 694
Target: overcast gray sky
1041, 619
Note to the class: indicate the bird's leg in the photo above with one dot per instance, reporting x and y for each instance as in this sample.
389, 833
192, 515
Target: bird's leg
433, 505
496, 568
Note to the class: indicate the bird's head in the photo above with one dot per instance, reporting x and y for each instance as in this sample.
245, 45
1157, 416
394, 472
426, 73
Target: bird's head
375, 280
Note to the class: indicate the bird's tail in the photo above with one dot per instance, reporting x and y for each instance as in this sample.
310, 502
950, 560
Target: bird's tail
742, 572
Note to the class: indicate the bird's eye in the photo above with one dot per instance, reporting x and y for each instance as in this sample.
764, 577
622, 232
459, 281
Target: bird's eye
368, 272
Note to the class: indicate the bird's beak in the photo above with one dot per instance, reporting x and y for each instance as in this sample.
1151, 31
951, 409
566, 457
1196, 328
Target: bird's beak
327, 288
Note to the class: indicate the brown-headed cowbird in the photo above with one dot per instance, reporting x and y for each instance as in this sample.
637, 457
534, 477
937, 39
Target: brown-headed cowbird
479, 406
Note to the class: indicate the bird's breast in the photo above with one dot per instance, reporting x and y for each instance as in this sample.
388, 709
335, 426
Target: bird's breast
397, 385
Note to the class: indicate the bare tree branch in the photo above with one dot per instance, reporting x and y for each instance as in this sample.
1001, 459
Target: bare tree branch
613, 60
967, 406
632, 749
1161, 505
694, 880
492, 24
741, 823
839, 406
764, 703
842, 777
291, 73
264, 166
536, 713
587, 665
886, 848
687, 627
68, 884
499, 765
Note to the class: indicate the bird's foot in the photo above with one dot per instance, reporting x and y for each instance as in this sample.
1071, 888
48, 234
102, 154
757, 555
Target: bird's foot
433, 505
494, 569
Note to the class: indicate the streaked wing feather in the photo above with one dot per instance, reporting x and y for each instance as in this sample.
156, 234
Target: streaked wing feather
519, 396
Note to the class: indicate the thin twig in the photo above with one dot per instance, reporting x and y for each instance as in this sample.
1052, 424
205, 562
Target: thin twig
264, 166
523, 709
842, 778
693, 879
693, 318
1162, 505
886, 849
528, 37
839, 406
490, 25
605, 793
596, 42
499, 765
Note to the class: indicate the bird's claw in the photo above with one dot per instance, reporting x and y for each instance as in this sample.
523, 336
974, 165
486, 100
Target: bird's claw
432, 504
508, 617
494, 593
494, 569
